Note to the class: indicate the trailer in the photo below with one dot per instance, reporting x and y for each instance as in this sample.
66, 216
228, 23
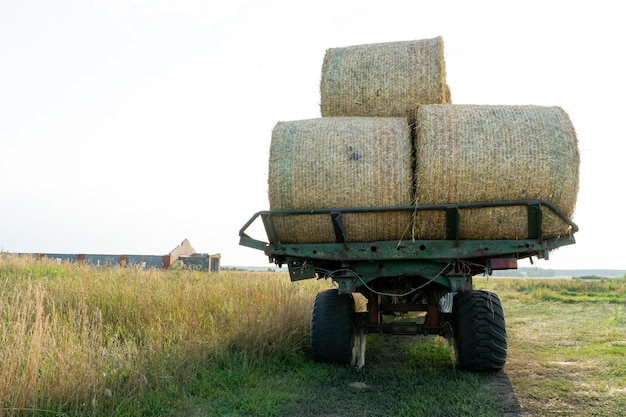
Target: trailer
412, 287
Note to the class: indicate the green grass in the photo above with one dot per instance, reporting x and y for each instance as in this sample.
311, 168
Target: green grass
607, 290
569, 357
415, 382
79, 341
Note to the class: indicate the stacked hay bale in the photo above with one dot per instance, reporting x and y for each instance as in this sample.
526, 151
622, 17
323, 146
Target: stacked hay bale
339, 162
389, 136
478, 153
385, 79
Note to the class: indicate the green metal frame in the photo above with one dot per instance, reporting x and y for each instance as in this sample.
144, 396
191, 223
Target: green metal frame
425, 258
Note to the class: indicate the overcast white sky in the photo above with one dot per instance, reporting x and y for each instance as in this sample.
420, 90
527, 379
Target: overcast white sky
127, 126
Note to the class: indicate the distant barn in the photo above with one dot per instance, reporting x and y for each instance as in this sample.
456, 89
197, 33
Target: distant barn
183, 255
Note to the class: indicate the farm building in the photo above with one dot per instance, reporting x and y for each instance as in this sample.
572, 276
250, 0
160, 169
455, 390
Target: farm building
183, 255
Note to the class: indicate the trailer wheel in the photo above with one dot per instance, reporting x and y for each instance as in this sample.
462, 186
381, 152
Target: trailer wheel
333, 335
479, 331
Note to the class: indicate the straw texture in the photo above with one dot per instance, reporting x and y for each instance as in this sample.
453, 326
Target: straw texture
471, 153
339, 162
384, 79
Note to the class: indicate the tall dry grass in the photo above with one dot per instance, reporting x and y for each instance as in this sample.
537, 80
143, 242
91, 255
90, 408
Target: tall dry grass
82, 340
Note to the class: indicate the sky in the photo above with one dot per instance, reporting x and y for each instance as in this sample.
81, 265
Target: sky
127, 126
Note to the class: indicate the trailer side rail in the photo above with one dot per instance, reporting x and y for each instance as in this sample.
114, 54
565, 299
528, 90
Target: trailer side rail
536, 244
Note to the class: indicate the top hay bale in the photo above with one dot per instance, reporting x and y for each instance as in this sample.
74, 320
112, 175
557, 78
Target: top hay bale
383, 80
475, 153
341, 162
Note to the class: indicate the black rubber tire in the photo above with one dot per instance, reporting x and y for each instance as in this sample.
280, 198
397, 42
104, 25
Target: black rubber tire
479, 331
332, 327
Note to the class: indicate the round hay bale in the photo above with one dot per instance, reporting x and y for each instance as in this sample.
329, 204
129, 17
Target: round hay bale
383, 80
341, 162
473, 153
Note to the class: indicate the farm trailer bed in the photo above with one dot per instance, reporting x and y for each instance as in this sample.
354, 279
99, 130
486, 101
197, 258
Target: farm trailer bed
411, 286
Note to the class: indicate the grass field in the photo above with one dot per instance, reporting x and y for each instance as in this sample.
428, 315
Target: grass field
80, 341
